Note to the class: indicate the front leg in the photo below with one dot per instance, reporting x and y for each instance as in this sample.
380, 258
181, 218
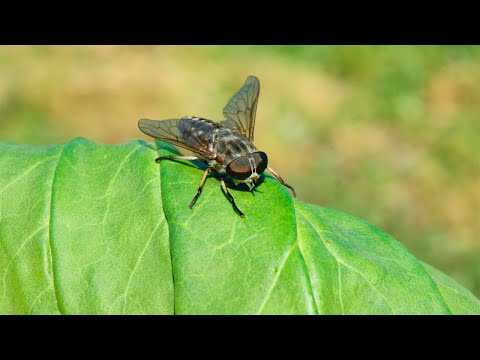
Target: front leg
230, 198
281, 180
199, 191
176, 157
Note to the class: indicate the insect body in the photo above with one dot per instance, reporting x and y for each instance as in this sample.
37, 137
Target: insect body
226, 147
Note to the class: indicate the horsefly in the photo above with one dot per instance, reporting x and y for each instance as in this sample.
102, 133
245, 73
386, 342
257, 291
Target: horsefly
226, 147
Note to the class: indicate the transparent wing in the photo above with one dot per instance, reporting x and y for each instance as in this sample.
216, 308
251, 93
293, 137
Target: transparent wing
170, 131
242, 107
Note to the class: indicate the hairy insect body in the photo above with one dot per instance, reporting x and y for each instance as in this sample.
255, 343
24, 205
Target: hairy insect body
224, 144
196, 130
232, 145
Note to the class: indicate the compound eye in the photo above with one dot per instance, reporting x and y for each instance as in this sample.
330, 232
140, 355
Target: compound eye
261, 161
239, 168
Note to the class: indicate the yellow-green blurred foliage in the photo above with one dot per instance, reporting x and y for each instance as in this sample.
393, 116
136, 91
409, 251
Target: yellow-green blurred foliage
387, 133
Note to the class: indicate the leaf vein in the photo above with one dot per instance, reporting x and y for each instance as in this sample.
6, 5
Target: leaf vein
137, 264
306, 267
55, 287
160, 197
112, 181
25, 173
337, 259
340, 296
277, 276
38, 297
19, 250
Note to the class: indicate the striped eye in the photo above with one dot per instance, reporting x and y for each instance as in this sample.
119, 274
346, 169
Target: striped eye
261, 161
239, 168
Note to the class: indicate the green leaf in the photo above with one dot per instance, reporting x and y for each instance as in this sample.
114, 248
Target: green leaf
460, 300
94, 229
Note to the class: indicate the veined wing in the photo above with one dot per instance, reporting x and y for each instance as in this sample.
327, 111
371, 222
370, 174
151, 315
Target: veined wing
180, 132
241, 109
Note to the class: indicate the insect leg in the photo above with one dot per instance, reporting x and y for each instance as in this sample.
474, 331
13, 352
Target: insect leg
200, 188
281, 180
175, 157
230, 198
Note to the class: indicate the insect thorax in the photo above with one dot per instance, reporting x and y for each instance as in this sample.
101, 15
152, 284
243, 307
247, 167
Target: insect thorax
229, 145
223, 143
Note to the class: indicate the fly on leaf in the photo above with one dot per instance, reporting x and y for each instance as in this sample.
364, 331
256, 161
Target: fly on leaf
226, 147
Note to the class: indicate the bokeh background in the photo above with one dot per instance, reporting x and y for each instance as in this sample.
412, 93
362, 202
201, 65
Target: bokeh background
389, 134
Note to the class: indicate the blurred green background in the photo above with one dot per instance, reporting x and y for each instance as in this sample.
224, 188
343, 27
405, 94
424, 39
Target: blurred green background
389, 134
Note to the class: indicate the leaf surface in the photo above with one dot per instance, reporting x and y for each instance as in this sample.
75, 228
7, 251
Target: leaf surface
95, 229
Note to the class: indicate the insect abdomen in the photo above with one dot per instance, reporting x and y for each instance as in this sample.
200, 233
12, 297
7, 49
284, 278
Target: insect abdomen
196, 130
